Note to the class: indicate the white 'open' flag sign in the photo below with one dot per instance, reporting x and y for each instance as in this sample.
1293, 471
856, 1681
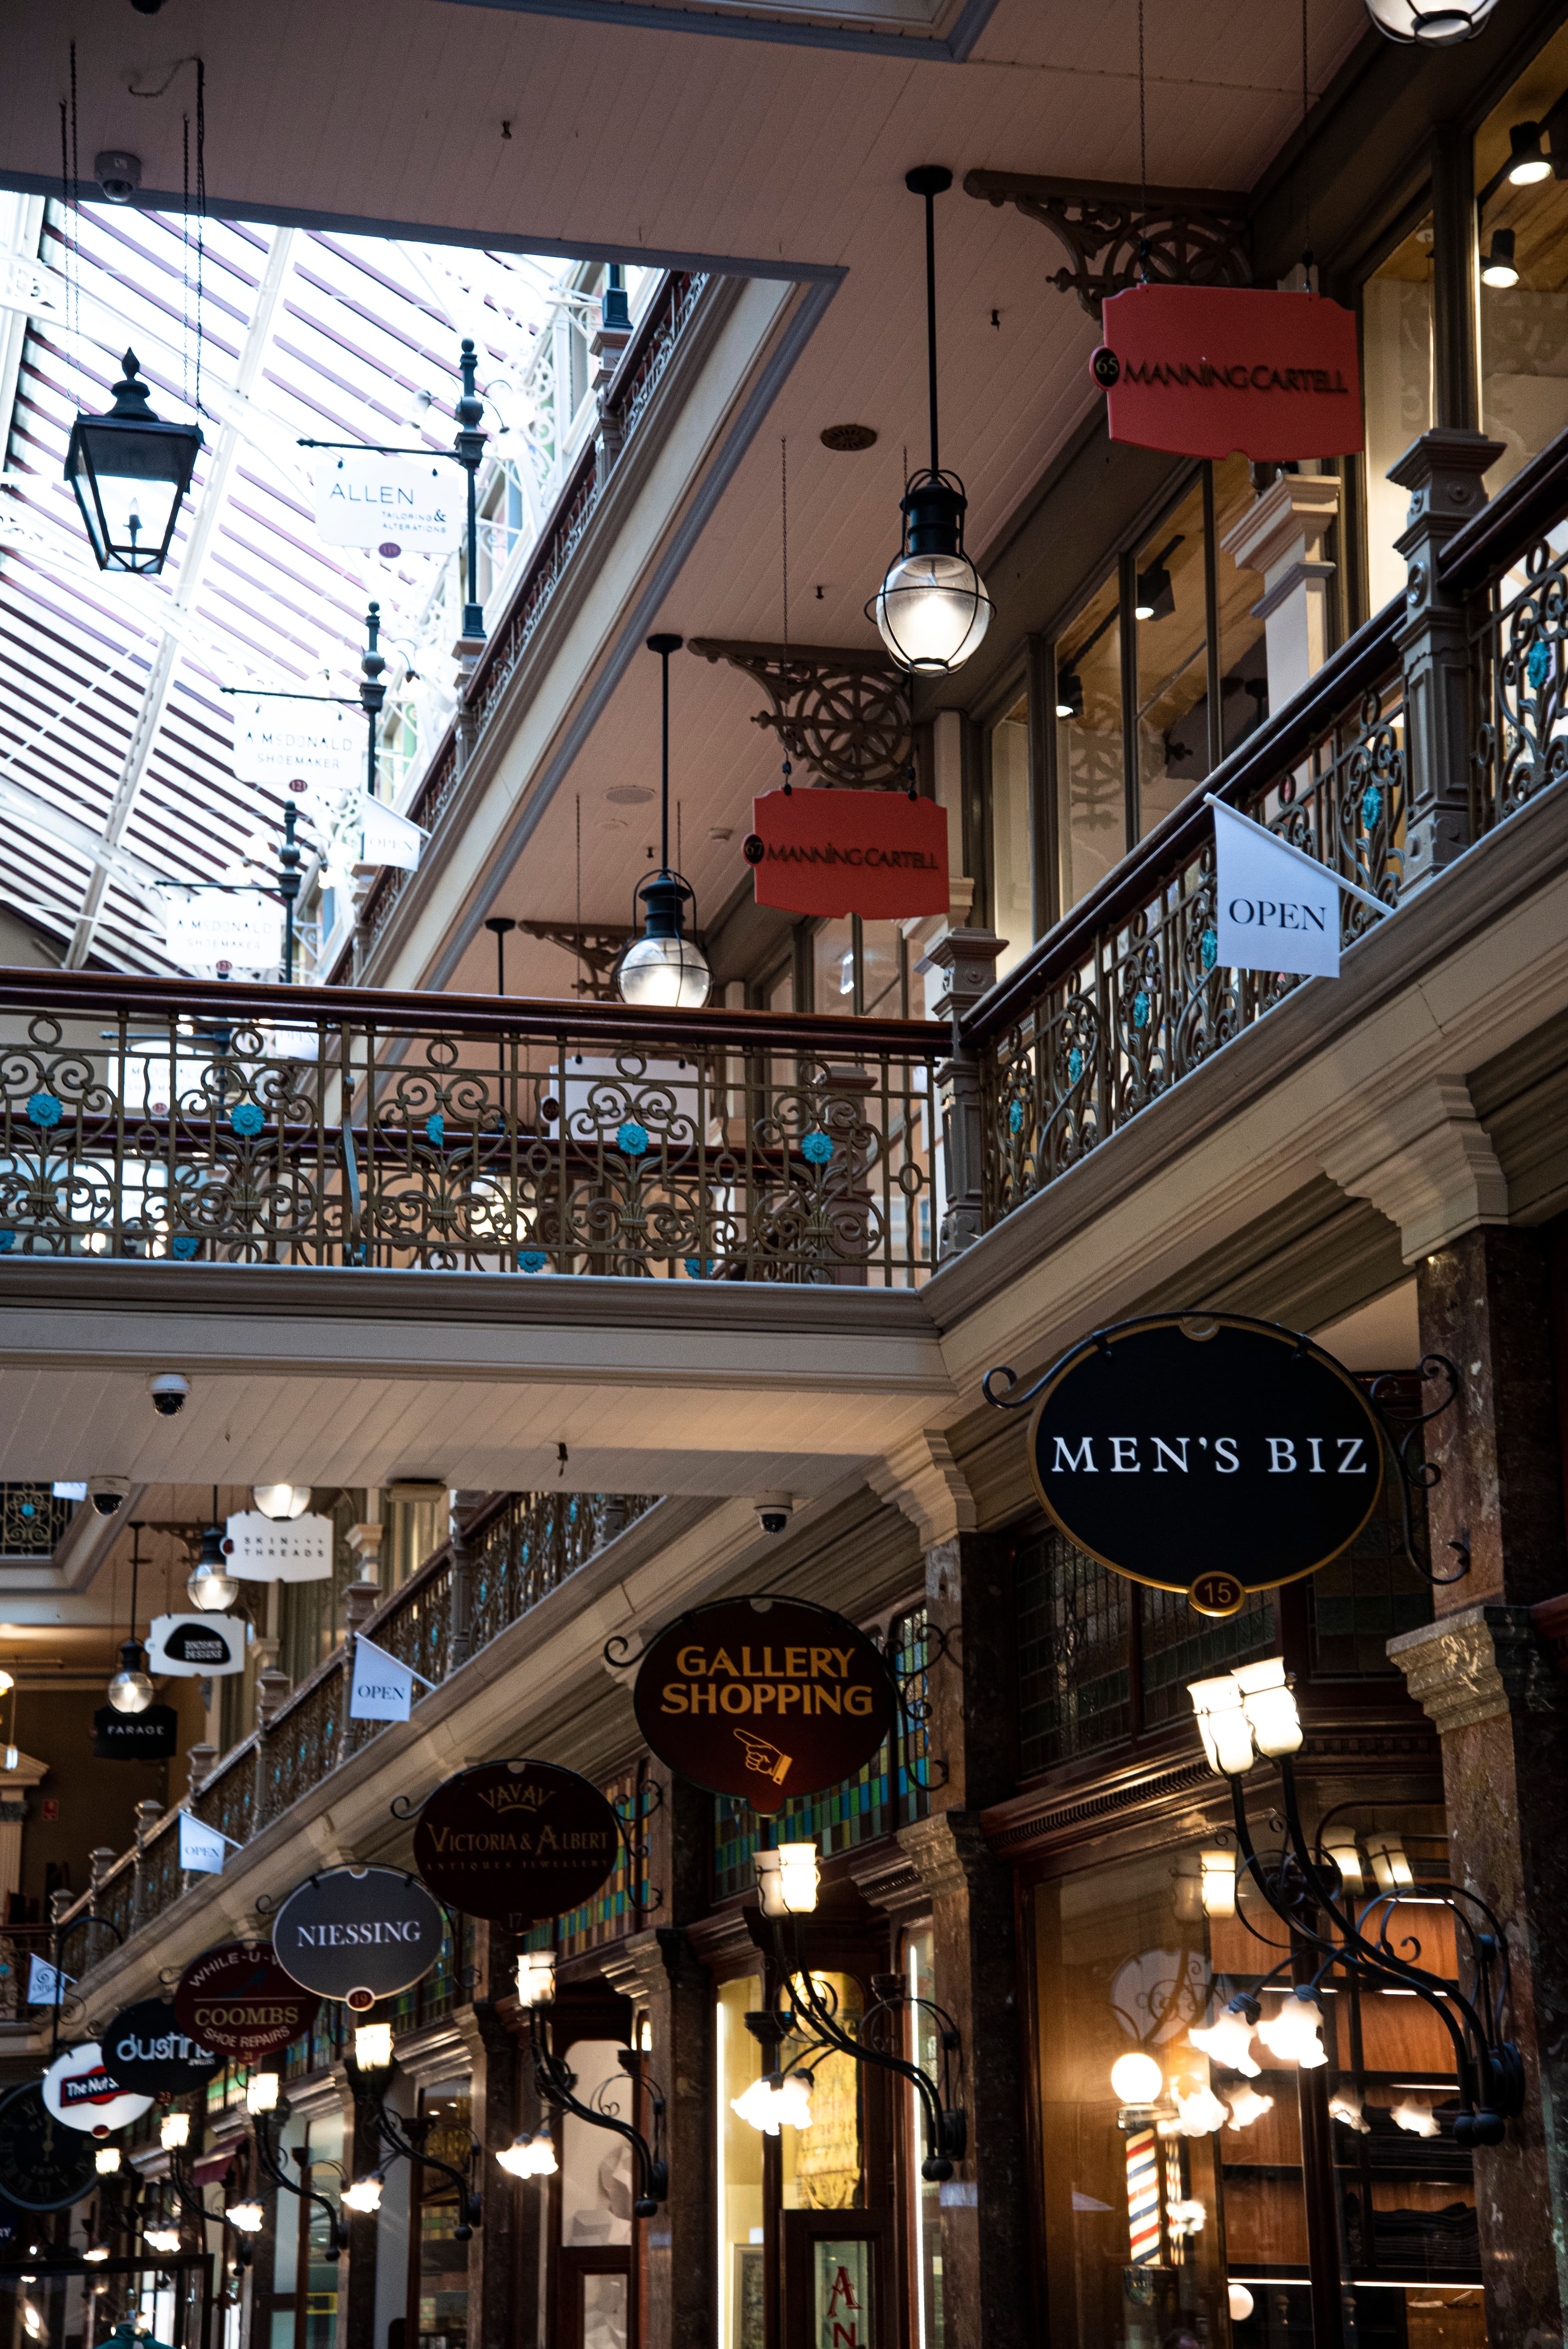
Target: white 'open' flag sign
382, 1688
1276, 907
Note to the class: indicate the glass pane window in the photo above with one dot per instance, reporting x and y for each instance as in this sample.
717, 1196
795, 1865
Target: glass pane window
1073, 1684
738, 2061
821, 2165
1524, 228
925, 2227
1170, 606
833, 967
1091, 794
595, 2165
1012, 860
1396, 389
1244, 653
440, 2261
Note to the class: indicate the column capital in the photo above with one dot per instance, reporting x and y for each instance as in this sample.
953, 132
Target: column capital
948, 1849
1442, 471
1287, 525
1428, 1163
966, 962
1483, 1664
922, 1477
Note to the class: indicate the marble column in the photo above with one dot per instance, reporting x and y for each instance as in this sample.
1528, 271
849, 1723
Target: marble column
493, 2090
1484, 1680
985, 2268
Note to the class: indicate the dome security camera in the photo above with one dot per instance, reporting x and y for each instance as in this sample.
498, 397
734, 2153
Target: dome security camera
117, 174
773, 1511
169, 1389
107, 1493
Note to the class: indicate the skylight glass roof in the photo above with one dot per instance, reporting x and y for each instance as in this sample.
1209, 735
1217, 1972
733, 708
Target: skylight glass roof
115, 738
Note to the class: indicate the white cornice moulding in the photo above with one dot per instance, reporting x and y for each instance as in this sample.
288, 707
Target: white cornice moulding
1426, 1163
922, 1477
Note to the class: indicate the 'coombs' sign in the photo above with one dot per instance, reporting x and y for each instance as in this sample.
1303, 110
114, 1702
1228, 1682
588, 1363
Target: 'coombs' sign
358, 1934
516, 1841
1206, 1453
237, 2001
766, 1699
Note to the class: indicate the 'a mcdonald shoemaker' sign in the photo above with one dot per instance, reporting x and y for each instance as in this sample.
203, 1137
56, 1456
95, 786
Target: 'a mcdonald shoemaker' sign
1204, 1453
766, 1699
1207, 369
880, 855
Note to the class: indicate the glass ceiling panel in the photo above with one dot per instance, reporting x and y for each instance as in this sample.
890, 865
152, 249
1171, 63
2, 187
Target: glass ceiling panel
115, 737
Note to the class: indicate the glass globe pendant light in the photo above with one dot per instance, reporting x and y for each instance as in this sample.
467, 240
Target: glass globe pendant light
932, 610
211, 1586
1430, 24
130, 470
131, 1689
663, 968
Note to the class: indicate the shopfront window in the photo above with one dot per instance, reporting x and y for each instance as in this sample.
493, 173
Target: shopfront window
1011, 854
1520, 151
1169, 604
1091, 792
860, 969
1244, 651
926, 2215
820, 2166
596, 2271
440, 2263
323, 2270
1397, 390
742, 2302
1153, 2221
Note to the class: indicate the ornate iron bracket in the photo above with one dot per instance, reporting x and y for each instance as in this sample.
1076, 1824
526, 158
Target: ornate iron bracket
844, 714
648, 1798
188, 2195
1117, 235
268, 2154
598, 945
556, 2081
1401, 1433
386, 2131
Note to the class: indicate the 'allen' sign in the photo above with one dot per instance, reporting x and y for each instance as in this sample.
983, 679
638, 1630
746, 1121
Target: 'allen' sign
1206, 369
766, 1699
880, 855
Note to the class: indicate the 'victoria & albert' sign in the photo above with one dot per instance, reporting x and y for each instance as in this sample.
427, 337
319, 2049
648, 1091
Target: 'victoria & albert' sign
358, 1934
1205, 1454
516, 1841
765, 1699
237, 2001
880, 855
1206, 369
146, 2051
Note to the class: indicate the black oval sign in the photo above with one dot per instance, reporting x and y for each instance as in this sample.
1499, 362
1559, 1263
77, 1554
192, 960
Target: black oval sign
1194, 1448
358, 1934
147, 1736
145, 2049
516, 1841
766, 1699
238, 2000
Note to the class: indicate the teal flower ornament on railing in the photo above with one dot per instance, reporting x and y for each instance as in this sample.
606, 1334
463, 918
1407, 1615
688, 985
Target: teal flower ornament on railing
436, 1128
817, 1147
184, 1247
631, 1139
532, 1260
44, 1110
246, 1120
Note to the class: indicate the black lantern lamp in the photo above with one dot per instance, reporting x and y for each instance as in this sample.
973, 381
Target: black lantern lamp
211, 1586
130, 471
1069, 694
615, 307
131, 1689
932, 609
1433, 24
663, 967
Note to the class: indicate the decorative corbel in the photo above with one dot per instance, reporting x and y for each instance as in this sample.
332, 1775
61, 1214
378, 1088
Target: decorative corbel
843, 714
1116, 235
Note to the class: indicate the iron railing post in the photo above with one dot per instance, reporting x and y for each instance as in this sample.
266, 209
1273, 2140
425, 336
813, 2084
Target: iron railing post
966, 960
1442, 471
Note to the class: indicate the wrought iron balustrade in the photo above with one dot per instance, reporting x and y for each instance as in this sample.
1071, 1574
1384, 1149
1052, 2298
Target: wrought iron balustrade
1126, 996
328, 1126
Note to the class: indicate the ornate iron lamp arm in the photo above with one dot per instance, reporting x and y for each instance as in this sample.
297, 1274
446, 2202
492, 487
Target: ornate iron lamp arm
555, 2081
191, 2201
267, 2155
469, 2205
945, 2131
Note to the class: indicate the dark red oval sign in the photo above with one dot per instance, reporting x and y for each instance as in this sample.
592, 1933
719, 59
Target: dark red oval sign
766, 1699
237, 2001
516, 1841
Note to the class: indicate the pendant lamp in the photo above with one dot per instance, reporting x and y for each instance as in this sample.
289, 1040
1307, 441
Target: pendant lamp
932, 609
131, 1689
1430, 24
130, 471
211, 1586
663, 968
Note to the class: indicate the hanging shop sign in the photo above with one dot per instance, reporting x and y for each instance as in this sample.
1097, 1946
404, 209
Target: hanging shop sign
880, 855
766, 1699
147, 2051
147, 1736
212, 925
196, 1646
237, 2001
80, 2091
389, 838
359, 1934
278, 744
42, 2165
277, 1550
1206, 1453
399, 505
1207, 369
516, 1841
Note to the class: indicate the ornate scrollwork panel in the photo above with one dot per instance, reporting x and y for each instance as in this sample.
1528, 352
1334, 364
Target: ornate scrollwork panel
1116, 236
843, 715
